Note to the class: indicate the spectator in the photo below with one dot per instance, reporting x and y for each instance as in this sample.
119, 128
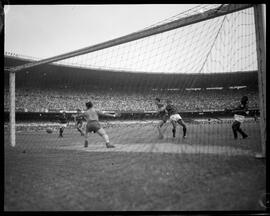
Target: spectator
35, 100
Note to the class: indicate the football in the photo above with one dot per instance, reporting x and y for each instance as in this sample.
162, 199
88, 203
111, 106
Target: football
49, 130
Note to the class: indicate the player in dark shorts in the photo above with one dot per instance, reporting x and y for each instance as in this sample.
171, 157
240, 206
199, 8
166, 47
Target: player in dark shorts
79, 122
239, 115
175, 117
91, 115
163, 117
63, 120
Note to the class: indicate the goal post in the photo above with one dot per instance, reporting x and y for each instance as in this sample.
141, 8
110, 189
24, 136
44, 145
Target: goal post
12, 111
260, 29
189, 20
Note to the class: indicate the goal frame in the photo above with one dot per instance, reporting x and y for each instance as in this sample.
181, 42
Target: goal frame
260, 29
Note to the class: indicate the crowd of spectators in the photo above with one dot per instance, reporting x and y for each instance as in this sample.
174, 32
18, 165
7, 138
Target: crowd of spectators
43, 100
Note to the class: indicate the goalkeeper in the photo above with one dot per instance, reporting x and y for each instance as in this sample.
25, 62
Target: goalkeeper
92, 117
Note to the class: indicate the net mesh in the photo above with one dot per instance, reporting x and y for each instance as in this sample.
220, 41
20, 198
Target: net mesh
220, 45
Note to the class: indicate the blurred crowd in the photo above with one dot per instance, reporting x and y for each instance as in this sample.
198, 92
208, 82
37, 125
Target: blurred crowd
41, 100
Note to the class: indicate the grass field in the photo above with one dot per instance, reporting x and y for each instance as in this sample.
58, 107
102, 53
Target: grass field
207, 171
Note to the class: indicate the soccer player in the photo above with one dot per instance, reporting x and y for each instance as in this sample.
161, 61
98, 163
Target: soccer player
175, 117
63, 120
91, 115
239, 115
163, 116
79, 122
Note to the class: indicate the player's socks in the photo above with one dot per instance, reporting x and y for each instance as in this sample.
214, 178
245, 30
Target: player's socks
245, 136
173, 131
61, 132
86, 143
184, 132
108, 145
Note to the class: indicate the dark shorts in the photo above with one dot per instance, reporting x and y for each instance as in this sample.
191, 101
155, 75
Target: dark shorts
79, 124
92, 126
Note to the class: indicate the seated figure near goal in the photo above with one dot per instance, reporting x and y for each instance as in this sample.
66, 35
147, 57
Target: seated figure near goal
63, 120
175, 117
92, 117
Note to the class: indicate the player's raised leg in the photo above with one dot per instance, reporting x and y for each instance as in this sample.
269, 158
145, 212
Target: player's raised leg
236, 128
103, 134
160, 124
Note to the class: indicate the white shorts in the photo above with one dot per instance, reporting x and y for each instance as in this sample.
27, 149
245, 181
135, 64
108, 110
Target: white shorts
63, 125
239, 118
175, 117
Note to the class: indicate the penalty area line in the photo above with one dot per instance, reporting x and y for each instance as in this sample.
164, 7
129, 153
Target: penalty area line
162, 148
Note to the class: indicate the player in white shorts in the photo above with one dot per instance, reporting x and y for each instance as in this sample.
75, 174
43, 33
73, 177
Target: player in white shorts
239, 116
175, 117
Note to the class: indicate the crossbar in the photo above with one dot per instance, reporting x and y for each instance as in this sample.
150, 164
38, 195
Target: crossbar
209, 14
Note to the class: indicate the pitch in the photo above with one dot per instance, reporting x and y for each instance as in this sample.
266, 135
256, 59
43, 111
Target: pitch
44, 172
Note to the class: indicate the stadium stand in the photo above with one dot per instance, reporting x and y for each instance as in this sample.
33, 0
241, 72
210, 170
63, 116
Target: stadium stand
61, 87
43, 100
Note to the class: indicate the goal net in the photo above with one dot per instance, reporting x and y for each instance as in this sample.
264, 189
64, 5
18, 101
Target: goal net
191, 50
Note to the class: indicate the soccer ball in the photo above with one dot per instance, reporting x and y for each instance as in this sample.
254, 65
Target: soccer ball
49, 130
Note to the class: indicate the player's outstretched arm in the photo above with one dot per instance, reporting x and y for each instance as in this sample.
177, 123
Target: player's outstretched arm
237, 110
109, 115
106, 114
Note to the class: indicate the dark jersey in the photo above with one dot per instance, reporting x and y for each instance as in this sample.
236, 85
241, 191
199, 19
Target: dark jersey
163, 112
241, 110
171, 109
79, 119
63, 119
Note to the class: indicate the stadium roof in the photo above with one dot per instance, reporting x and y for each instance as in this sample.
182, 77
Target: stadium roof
54, 76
